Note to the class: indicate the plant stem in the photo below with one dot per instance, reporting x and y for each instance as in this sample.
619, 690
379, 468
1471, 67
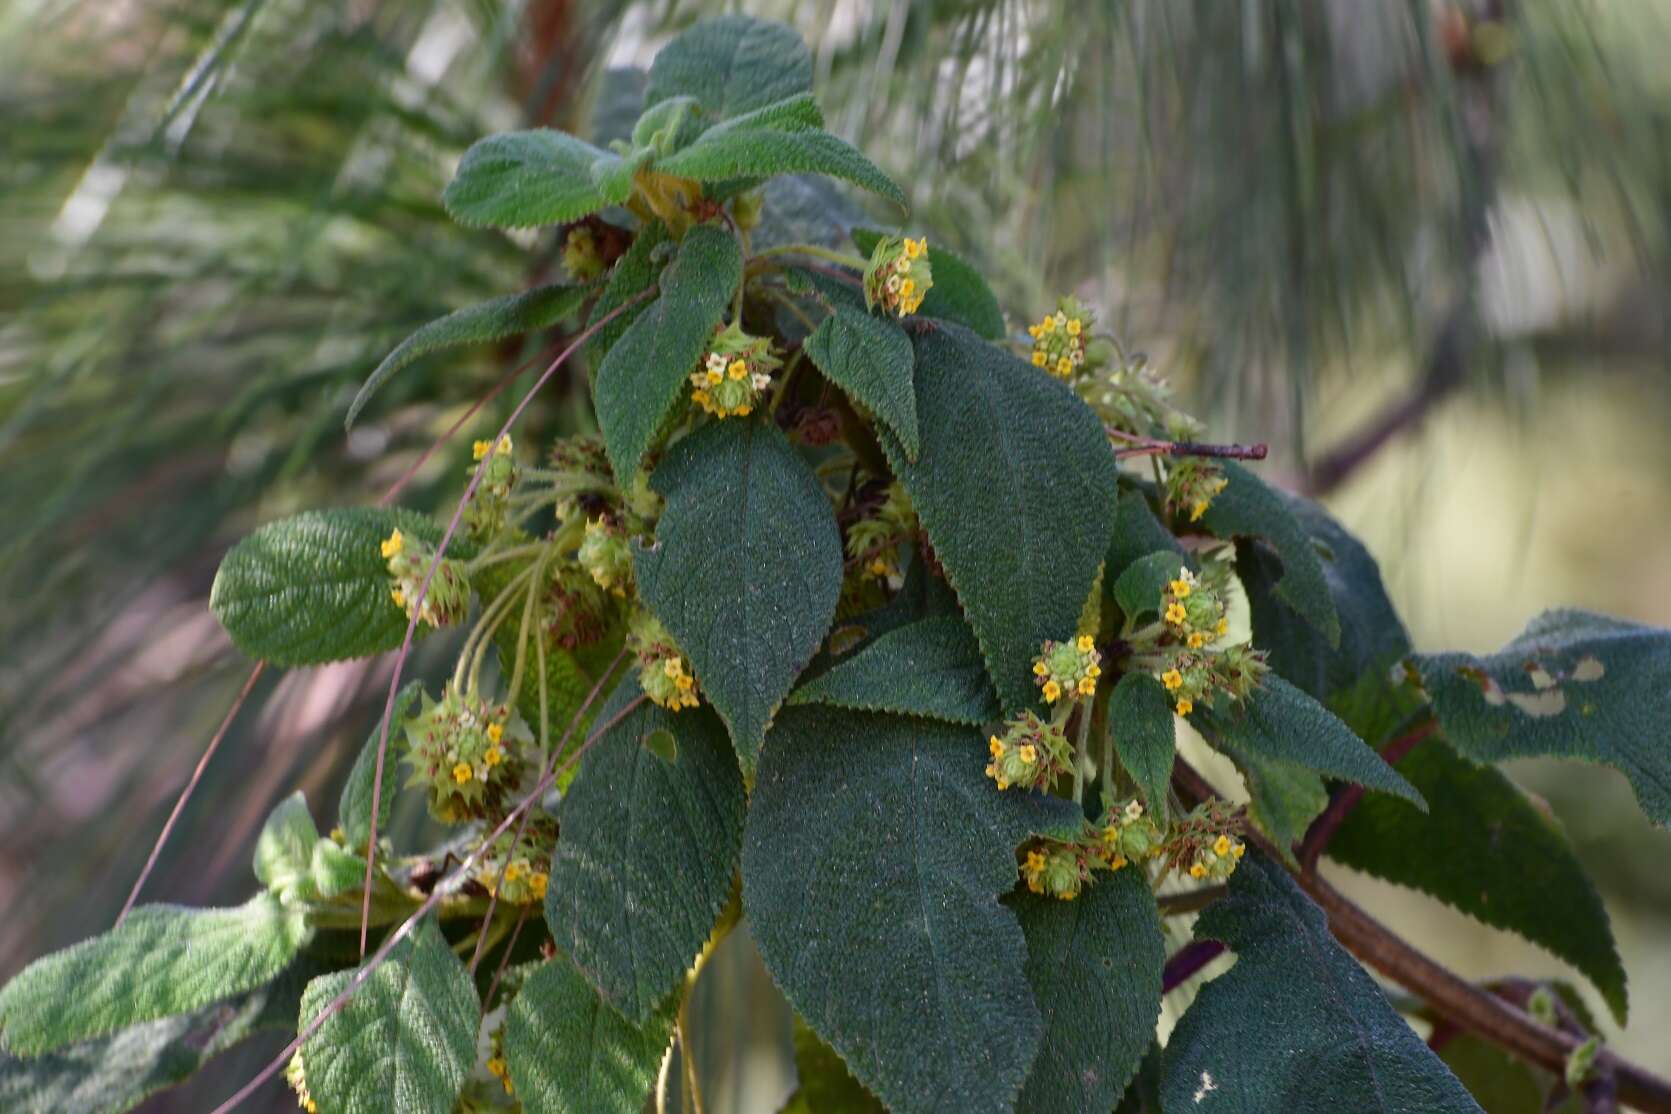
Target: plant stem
858, 263
1153, 446
1081, 738
1346, 798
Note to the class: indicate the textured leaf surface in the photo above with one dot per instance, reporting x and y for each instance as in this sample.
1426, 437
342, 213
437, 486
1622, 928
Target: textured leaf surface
726, 152
1488, 851
1015, 485
648, 852
1095, 967
959, 292
528, 178
873, 858
731, 65
354, 806
314, 587
1283, 797
745, 570
404, 1041
1573, 684
649, 367
930, 668
1145, 735
284, 849
1138, 590
569, 1053
1341, 1046
871, 359
1247, 507
634, 272
495, 319
163, 960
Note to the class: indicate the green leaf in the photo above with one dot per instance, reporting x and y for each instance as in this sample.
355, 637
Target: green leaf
314, 587
1284, 797
1095, 967
731, 65
511, 315
569, 1053
648, 369
354, 807
404, 1041
929, 668
871, 359
959, 292
873, 858
635, 272
163, 960
1145, 734
284, 849
1139, 589
528, 178
728, 152
745, 570
1338, 1044
1485, 849
1015, 485
333, 871
825, 1084
1573, 684
1248, 508
648, 852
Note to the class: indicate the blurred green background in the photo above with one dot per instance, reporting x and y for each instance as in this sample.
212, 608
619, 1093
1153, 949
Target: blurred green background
1418, 247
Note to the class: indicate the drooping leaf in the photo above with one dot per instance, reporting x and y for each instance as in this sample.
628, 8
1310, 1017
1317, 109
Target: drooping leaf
314, 587
1141, 585
1485, 849
633, 273
871, 359
731, 64
508, 316
1573, 684
929, 668
1095, 967
728, 152
163, 960
354, 807
1145, 736
1248, 508
284, 849
524, 179
404, 1041
648, 851
569, 1053
649, 367
959, 292
1341, 1046
1015, 486
873, 858
745, 570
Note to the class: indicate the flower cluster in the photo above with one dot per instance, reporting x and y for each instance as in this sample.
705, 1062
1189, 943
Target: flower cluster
461, 750
448, 598
1191, 484
606, 555
1204, 844
873, 541
734, 372
1068, 669
581, 257
663, 673
524, 866
1056, 868
1129, 834
296, 1076
1060, 338
574, 607
1030, 753
1185, 658
487, 513
898, 275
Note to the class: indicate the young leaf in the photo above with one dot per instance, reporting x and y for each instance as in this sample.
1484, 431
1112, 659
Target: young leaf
1139, 589
648, 369
354, 807
284, 849
873, 858
1015, 485
1140, 716
1296, 1025
314, 587
1485, 849
930, 668
1573, 684
745, 570
633, 273
648, 852
732, 64
511, 315
871, 359
1249, 508
1095, 967
569, 1053
959, 292
163, 960
724, 153
404, 1041
528, 178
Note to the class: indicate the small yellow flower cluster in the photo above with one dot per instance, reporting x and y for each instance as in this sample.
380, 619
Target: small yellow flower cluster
873, 541
1217, 861
480, 449
497, 1066
664, 674
1068, 669
1060, 338
1055, 868
1129, 834
1191, 484
1031, 753
1204, 844
461, 751
522, 883
448, 598
1194, 616
898, 275
487, 514
296, 1076
737, 368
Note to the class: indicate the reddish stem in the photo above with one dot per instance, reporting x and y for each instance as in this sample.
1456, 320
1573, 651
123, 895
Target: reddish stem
1346, 798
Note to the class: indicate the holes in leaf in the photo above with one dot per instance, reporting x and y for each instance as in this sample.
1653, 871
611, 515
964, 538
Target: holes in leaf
661, 743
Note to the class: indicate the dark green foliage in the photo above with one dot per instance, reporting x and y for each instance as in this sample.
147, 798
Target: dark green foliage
633, 273
354, 807
871, 359
1284, 797
826, 1086
959, 292
930, 668
740, 151
1140, 717
529, 178
1139, 588
1138, 534
731, 65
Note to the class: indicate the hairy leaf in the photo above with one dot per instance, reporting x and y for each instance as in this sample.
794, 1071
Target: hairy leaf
1573, 684
1095, 967
633, 273
1141, 585
929, 668
648, 851
284, 849
1283, 797
1145, 735
873, 858
569, 1053
745, 570
528, 178
1296, 1025
163, 960
1015, 486
1247, 507
354, 807
404, 1041
732, 64
959, 292
649, 367
753, 152
871, 359
314, 587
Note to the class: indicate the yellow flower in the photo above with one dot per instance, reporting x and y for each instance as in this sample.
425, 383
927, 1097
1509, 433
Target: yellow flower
699, 397
1085, 643
742, 411
494, 756
1073, 326
902, 266
1185, 706
673, 667
915, 248
1238, 850
538, 881
1040, 669
497, 1066
1223, 626
1051, 692
393, 544
878, 567
1197, 640
1048, 324
907, 288
1029, 753
481, 449
1034, 331
1196, 870
738, 369
1038, 358
1172, 679
495, 732
1221, 845
715, 378
684, 682
996, 746
512, 872
1093, 670
1064, 366
1035, 861
398, 596
1087, 686
1179, 588
1197, 509
461, 772
1175, 614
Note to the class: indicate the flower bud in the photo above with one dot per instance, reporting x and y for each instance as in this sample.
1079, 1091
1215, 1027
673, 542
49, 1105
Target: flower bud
898, 275
462, 750
664, 674
734, 373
